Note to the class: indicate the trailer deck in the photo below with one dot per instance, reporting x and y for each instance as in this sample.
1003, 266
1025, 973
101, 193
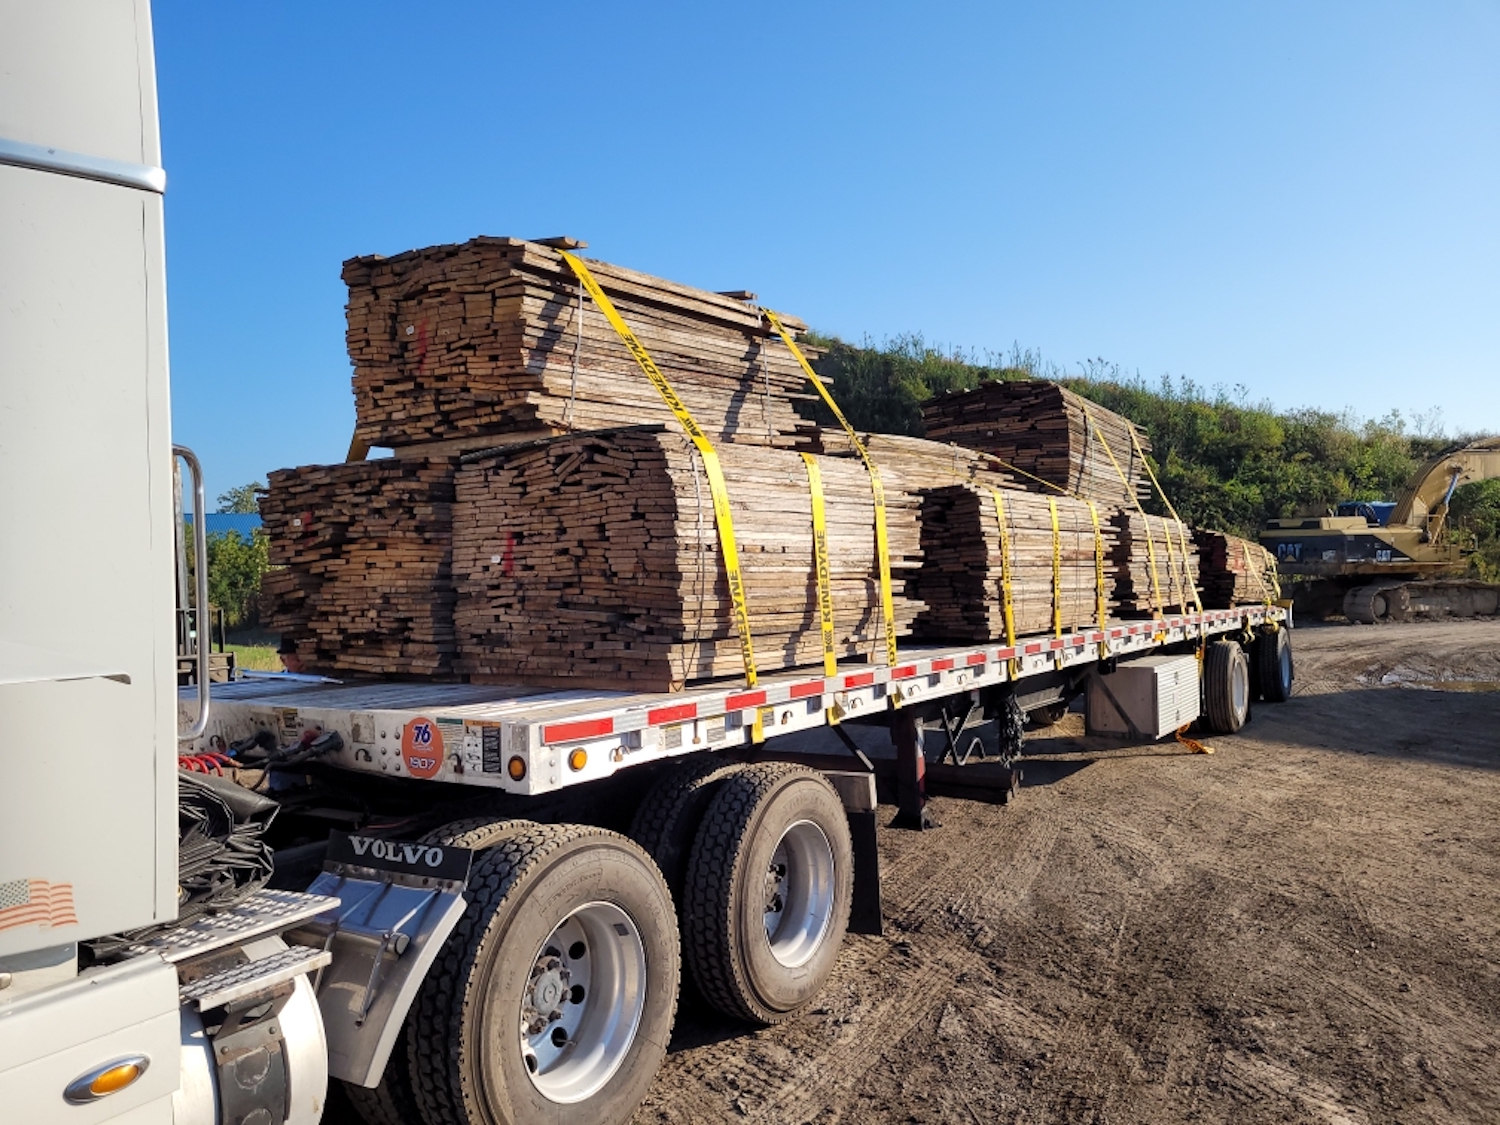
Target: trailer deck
531, 741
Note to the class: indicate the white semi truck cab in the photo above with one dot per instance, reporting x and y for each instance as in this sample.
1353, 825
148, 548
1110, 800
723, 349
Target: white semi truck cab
496, 935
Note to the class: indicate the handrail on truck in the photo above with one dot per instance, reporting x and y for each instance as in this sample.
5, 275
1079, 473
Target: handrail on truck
200, 583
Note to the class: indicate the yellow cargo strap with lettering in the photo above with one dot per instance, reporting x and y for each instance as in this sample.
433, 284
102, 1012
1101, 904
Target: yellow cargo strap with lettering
723, 519
882, 548
1056, 570
820, 563
1102, 598
1134, 499
1007, 604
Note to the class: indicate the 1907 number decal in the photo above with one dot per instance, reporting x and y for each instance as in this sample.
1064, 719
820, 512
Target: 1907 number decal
422, 748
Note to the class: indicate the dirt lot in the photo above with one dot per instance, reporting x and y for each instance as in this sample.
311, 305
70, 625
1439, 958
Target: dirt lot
1304, 926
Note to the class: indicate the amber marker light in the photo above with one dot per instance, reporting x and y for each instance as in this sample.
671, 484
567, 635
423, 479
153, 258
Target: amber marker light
516, 767
108, 1079
577, 759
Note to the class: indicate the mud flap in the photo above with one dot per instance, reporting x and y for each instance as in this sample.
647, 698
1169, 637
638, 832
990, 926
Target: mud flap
398, 902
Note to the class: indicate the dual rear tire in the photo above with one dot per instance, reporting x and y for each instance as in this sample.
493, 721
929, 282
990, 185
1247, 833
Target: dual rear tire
554, 997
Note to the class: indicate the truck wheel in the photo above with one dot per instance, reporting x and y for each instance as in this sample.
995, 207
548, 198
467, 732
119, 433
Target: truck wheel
1226, 687
476, 832
553, 998
667, 820
768, 891
1273, 665
392, 1102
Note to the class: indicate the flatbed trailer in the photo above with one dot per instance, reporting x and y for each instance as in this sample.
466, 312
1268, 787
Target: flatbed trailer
766, 849
535, 741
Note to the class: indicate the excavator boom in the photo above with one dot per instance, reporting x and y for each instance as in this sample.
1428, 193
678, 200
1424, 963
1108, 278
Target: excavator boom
1423, 502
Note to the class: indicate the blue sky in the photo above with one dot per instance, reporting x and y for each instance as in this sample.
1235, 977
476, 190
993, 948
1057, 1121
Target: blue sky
1300, 199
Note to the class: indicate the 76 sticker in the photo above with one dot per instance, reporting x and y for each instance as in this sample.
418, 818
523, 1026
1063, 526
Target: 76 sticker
422, 748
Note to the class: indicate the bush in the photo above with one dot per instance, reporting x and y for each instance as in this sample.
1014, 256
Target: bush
235, 568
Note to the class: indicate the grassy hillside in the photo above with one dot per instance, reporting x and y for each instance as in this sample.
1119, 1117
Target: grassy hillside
1226, 462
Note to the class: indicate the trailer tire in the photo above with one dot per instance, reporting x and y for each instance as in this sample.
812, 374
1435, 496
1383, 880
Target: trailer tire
667, 821
1226, 687
766, 817
1274, 667
543, 903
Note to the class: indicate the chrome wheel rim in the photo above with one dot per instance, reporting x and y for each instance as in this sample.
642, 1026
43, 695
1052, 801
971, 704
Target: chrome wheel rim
583, 1002
799, 893
1239, 681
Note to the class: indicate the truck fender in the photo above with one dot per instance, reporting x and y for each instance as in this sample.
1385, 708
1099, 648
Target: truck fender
392, 919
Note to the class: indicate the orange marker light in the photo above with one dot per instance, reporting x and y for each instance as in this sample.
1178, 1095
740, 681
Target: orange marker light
517, 768
578, 759
115, 1078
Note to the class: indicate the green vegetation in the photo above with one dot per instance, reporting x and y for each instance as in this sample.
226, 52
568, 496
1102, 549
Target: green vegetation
1475, 510
257, 658
235, 565
1225, 462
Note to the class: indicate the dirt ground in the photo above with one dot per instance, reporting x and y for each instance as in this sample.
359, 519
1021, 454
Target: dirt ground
1304, 926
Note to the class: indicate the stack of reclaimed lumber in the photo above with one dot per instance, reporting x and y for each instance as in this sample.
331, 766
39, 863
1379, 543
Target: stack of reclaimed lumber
364, 550
1233, 571
593, 558
1044, 431
489, 337
960, 582
914, 463
1155, 564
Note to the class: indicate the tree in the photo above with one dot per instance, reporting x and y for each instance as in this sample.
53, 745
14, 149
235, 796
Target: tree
235, 568
241, 500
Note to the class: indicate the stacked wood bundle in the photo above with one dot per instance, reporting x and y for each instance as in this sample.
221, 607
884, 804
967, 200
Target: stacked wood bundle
915, 463
960, 582
364, 551
1044, 430
1233, 571
593, 558
487, 338
1155, 564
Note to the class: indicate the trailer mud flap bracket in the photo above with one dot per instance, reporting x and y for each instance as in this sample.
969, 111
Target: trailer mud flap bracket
384, 936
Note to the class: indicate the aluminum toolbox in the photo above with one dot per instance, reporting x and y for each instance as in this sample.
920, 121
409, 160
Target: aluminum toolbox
1155, 694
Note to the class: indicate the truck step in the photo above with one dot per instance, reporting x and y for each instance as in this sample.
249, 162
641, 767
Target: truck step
264, 912
239, 981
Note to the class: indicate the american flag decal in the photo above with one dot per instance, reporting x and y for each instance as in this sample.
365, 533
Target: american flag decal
36, 902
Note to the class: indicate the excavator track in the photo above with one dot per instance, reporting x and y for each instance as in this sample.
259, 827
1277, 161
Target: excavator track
1381, 603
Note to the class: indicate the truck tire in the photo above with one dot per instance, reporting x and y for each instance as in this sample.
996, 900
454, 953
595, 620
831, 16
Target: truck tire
392, 1102
1226, 687
768, 888
553, 998
1273, 666
667, 821
476, 832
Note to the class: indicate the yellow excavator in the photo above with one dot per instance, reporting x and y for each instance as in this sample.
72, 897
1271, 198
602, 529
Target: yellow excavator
1394, 561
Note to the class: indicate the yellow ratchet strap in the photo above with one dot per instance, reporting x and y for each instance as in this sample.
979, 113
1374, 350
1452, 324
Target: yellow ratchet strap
1192, 743
723, 519
820, 560
1102, 598
1007, 603
1150, 542
1056, 570
882, 548
1192, 581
